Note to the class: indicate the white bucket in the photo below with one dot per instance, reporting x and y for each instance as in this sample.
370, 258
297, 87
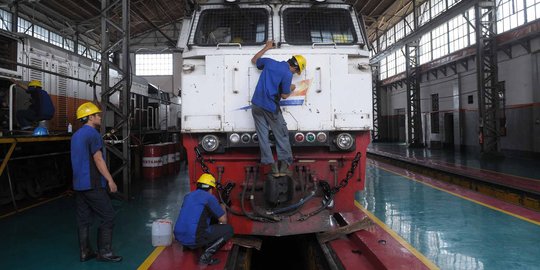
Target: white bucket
161, 232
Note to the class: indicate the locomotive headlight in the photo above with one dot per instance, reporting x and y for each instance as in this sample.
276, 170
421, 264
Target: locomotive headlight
321, 137
210, 143
234, 138
344, 141
245, 138
310, 137
255, 138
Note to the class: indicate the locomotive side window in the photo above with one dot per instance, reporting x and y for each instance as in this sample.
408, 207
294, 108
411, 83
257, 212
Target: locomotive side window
313, 25
244, 26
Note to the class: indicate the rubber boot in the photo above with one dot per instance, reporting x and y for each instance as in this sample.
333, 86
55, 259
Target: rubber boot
206, 258
105, 246
275, 170
84, 244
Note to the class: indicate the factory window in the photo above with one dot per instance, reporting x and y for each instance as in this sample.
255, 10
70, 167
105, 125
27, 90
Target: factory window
41, 33
409, 24
82, 50
439, 41
470, 99
391, 64
316, 25
423, 14
382, 42
5, 20
234, 25
69, 44
400, 30
510, 14
459, 30
56, 39
154, 64
390, 37
24, 26
400, 61
94, 55
533, 10
384, 69
425, 48
451, 3
437, 7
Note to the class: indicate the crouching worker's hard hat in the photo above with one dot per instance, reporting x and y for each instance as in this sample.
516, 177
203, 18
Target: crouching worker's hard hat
206, 180
87, 109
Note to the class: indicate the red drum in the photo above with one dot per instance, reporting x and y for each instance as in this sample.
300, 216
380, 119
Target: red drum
164, 159
171, 160
152, 161
177, 157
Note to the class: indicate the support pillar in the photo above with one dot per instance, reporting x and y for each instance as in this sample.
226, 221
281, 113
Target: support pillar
487, 76
115, 39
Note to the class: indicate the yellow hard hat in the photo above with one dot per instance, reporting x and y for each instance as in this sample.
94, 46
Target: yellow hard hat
87, 109
301, 63
207, 179
34, 83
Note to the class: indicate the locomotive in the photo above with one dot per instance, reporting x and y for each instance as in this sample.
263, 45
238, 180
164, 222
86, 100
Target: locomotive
71, 80
329, 115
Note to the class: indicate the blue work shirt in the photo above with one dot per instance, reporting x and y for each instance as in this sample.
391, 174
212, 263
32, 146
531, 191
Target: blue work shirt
41, 103
275, 79
194, 219
84, 144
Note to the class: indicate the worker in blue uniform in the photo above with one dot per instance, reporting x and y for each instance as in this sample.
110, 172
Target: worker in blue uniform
274, 84
193, 228
90, 179
41, 106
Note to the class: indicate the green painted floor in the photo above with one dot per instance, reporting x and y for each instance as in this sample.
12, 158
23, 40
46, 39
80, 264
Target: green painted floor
452, 232
45, 237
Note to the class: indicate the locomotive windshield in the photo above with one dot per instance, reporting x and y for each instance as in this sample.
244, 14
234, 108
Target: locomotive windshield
305, 26
244, 26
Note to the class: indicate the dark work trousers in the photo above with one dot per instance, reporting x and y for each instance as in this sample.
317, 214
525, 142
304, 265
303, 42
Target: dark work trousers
264, 121
94, 202
25, 118
218, 231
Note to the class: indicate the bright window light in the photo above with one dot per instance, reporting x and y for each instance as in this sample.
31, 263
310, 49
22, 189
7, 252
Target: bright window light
154, 64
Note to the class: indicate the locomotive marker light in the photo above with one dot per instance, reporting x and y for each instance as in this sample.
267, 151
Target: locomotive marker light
210, 143
234, 138
245, 138
299, 137
310, 137
255, 138
321, 137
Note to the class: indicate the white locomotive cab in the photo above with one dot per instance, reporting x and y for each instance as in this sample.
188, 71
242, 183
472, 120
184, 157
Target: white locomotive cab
218, 78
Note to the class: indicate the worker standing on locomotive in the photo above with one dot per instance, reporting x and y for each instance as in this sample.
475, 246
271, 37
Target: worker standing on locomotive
193, 229
41, 106
90, 178
274, 84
